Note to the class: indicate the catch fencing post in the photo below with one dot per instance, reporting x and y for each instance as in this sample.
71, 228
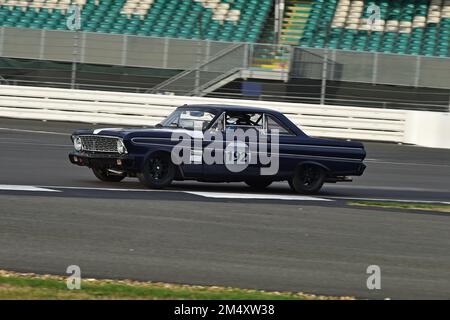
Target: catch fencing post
2, 39
375, 68
417, 75
74, 61
123, 60
245, 63
323, 90
42, 44
448, 102
73, 23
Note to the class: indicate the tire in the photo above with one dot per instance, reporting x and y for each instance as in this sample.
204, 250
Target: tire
158, 172
308, 179
258, 184
104, 175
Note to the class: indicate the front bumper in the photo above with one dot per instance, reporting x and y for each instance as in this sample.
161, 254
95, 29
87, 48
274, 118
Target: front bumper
106, 161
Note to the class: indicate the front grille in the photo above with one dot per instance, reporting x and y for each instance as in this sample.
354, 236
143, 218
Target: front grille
99, 144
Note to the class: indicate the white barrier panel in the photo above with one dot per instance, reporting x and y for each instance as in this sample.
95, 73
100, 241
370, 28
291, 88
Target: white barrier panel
430, 129
116, 108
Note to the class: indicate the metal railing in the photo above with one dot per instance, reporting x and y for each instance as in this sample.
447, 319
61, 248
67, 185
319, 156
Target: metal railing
198, 75
216, 82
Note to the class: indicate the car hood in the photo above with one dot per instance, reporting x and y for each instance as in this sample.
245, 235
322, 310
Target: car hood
128, 133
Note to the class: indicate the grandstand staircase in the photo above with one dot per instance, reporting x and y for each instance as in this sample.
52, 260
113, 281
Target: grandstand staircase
294, 22
270, 61
274, 60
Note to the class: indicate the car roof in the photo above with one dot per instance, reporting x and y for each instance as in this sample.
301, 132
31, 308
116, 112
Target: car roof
224, 107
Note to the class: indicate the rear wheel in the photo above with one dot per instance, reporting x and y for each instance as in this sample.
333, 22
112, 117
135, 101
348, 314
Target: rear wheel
258, 184
158, 171
104, 175
308, 179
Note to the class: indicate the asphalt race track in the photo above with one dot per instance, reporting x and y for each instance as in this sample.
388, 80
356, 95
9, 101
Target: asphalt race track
54, 214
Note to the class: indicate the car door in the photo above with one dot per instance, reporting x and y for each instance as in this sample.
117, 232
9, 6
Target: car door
191, 125
239, 148
213, 146
282, 143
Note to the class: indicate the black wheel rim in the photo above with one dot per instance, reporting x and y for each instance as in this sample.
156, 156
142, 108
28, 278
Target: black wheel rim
158, 168
309, 176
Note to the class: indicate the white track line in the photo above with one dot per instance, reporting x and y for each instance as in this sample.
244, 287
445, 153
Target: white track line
390, 200
407, 163
9, 187
109, 189
216, 195
234, 195
38, 144
364, 187
254, 196
36, 131
223, 195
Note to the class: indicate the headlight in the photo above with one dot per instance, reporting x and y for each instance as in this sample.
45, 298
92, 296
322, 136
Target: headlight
121, 147
77, 144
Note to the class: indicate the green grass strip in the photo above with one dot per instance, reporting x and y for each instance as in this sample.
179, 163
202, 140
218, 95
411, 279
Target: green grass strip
403, 205
15, 286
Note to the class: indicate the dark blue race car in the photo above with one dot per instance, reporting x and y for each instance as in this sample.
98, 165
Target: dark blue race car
219, 143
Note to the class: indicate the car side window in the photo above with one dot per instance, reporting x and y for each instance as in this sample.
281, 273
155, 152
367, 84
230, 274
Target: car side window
191, 119
243, 120
274, 124
218, 125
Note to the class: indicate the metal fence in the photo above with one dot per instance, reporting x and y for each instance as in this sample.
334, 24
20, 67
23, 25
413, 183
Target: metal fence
83, 60
372, 67
109, 49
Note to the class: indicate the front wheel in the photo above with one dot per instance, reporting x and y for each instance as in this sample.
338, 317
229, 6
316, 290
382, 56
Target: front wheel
308, 179
158, 171
104, 175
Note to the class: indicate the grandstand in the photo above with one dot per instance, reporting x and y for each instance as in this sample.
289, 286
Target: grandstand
229, 20
415, 27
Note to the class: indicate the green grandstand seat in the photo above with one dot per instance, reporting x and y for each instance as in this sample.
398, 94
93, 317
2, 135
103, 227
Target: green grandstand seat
165, 18
425, 38
190, 19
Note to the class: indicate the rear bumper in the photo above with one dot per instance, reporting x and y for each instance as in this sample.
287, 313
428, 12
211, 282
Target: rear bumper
362, 167
107, 161
351, 170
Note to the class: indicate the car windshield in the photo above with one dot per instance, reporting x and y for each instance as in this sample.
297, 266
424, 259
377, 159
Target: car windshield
189, 119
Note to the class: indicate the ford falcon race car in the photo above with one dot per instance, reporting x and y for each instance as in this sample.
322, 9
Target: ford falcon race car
218, 143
